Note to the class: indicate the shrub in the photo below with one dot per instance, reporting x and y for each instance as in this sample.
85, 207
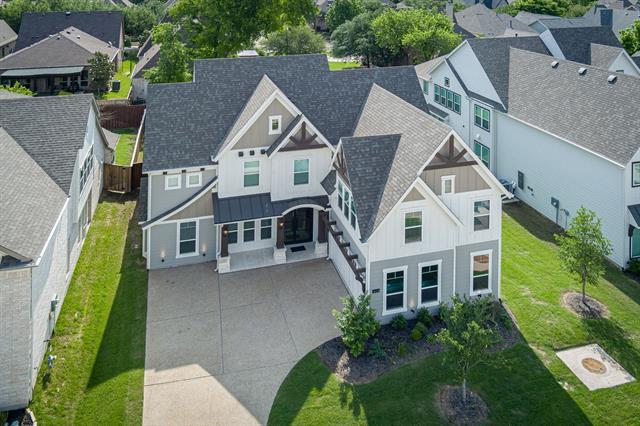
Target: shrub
416, 334
402, 349
422, 328
356, 322
424, 317
399, 322
634, 267
376, 351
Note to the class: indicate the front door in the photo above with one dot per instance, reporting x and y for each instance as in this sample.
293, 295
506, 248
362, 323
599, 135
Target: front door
298, 226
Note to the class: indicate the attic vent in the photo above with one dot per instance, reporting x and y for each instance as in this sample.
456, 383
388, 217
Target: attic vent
582, 71
554, 64
612, 78
67, 13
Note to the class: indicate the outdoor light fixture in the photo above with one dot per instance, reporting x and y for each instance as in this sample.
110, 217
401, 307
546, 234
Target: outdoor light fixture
162, 256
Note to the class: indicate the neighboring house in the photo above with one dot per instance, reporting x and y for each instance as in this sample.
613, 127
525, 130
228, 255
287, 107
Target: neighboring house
147, 59
491, 4
7, 39
616, 19
53, 151
58, 62
269, 160
481, 21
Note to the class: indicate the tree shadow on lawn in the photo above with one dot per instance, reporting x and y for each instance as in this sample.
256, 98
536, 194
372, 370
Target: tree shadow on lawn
615, 341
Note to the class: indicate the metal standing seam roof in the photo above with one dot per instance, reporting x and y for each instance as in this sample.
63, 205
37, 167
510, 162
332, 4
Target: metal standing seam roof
29, 72
250, 207
635, 212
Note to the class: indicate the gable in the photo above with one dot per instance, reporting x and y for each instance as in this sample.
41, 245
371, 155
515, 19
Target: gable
413, 195
466, 179
203, 206
257, 135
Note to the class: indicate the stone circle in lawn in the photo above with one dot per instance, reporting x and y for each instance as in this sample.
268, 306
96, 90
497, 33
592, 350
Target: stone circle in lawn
472, 412
594, 367
589, 309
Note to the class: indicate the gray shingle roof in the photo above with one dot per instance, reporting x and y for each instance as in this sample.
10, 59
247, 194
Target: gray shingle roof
104, 25
424, 69
603, 56
52, 134
31, 200
587, 110
187, 122
529, 18
329, 182
575, 43
146, 61
482, 21
5, 94
256, 206
7, 35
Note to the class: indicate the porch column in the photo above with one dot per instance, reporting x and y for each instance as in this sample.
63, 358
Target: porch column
323, 218
224, 241
280, 233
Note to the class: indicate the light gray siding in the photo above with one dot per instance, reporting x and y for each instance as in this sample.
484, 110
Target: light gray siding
161, 200
163, 244
463, 266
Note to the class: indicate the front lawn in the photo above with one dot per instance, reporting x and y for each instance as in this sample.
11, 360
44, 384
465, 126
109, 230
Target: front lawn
523, 384
124, 75
125, 146
336, 66
100, 336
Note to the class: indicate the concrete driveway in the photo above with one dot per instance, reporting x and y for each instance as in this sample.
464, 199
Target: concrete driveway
219, 346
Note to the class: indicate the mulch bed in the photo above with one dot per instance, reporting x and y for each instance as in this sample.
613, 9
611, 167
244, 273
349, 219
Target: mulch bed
593, 309
21, 418
473, 412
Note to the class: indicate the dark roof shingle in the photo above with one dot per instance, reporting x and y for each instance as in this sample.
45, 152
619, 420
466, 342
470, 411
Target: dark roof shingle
575, 43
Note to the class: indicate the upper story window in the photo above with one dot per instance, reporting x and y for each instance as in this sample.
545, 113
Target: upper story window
448, 185
447, 82
447, 98
413, 227
86, 168
480, 272
481, 117
194, 180
172, 182
301, 172
635, 174
483, 152
425, 87
347, 205
340, 191
481, 215
251, 173
275, 124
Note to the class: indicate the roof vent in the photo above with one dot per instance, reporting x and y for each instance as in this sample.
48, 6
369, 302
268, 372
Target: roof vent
612, 78
554, 64
582, 71
67, 13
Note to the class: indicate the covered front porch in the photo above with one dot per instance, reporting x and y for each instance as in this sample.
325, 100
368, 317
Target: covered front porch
46, 81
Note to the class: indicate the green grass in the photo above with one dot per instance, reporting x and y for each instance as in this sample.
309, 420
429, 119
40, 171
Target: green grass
526, 384
125, 146
100, 336
336, 66
124, 75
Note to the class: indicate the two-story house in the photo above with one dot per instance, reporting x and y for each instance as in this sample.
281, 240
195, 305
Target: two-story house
268, 160
53, 149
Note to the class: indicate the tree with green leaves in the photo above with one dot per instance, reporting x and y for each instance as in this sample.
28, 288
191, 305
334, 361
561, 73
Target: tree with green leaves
466, 335
173, 59
342, 11
545, 7
294, 41
356, 38
221, 28
356, 323
100, 72
584, 248
419, 33
630, 38
140, 19
17, 88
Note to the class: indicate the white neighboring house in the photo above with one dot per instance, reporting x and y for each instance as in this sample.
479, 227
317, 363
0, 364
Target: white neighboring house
8, 39
269, 160
50, 182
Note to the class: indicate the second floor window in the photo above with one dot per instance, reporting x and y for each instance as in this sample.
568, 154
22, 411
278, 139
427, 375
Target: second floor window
86, 168
412, 227
251, 173
275, 124
635, 174
482, 152
481, 215
425, 87
347, 204
301, 172
172, 182
447, 98
481, 117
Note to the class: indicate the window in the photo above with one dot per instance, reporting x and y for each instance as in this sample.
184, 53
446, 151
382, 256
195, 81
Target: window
232, 229
275, 124
425, 87
265, 229
394, 290
353, 214
447, 98
347, 204
429, 276
188, 237
448, 184
172, 182
301, 172
481, 272
635, 174
194, 180
340, 191
520, 180
412, 227
251, 173
345, 207
86, 168
481, 215
481, 117
446, 81
635, 243
482, 152
248, 231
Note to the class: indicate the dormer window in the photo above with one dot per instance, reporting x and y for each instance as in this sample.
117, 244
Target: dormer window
275, 124
448, 185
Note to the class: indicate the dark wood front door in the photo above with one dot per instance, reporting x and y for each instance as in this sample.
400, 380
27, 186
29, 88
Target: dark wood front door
298, 226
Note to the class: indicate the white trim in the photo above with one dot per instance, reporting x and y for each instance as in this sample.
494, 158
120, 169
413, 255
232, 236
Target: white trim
385, 271
138, 136
313, 130
420, 266
277, 131
187, 219
249, 160
166, 182
443, 180
471, 256
473, 213
406, 211
294, 172
197, 240
423, 185
300, 206
199, 175
36, 262
180, 169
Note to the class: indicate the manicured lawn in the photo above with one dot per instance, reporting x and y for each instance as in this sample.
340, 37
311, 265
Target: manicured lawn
336, 66
526, 384
125, 146
124, 75
100, 336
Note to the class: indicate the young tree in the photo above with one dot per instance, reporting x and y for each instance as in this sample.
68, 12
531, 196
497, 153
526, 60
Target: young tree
342, 11
630, 38
356, 322
100, 72
583, 248
294, 41
173, 62
466, 335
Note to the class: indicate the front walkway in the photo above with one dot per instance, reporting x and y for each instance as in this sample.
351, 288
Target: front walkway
219, 346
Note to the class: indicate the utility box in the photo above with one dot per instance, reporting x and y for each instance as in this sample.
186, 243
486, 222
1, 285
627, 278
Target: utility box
115, 85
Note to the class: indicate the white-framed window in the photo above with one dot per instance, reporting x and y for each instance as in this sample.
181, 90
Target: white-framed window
187, 238
301, 171
353, 218
347, 204
86, 168
483, 152
347, 200
232, 235
248, 231
429, 283
481, 117
275, 124
635, 174
251, 170
265, 229
413, 227
481, 215
481, 272
340, 192
194, 179
425, 87
394, 286
172, 182
448, 185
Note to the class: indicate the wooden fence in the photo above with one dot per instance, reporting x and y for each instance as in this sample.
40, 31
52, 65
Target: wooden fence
122, 179
120, 114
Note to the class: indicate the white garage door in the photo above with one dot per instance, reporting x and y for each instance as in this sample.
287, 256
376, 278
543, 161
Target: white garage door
344, 270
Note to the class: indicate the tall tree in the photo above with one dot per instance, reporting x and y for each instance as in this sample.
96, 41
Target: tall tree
583, 248
220, 28
356, 38
342, 11
100, 72
630, 38
294, 41
173, 62
139, 20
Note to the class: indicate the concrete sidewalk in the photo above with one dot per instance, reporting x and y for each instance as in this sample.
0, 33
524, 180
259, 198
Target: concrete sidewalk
218, 347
